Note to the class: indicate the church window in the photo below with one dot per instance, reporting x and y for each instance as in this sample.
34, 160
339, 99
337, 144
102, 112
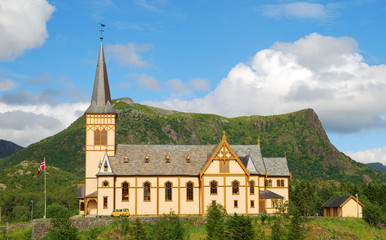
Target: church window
252, 203
147, 159
189, 191
104, 137
236, 204
125, 159
213, 187
235, 187
125, 191
282, 182
105, 167
168, 191
274, 203
252, 187
82, 206
97, 137
188, 159
105, 202
105, 184
268, 183
224, 166
167, 159
146, 191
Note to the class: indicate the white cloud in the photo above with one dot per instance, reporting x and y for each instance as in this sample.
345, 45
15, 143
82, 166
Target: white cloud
297, 10
26, 124
146, 81
200, 84
319, 72
369, 156
177, 87
22, 26
129, 54
6, 84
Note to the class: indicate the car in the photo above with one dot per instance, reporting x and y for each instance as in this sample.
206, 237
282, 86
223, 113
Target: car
120, 212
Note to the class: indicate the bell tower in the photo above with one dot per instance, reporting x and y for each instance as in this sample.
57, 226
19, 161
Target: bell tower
100, 128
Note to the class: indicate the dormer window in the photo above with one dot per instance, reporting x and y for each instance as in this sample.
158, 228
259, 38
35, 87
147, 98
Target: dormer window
147, 159
125, 159
188, 159
105, 167
167, 159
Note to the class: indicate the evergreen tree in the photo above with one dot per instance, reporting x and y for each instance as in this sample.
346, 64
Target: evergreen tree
139, 231
169, 227
240, 228
215, 222
296, 230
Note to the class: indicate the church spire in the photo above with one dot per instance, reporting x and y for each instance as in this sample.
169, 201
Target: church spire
101, 99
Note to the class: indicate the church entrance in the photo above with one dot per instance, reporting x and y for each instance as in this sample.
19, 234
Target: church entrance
92, 207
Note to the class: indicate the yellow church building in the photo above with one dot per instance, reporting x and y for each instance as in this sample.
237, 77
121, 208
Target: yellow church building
157, 179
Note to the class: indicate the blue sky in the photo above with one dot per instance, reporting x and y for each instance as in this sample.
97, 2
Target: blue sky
226, 57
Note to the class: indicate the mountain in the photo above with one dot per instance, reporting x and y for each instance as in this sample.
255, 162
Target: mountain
377, 166
8, 148
299, 135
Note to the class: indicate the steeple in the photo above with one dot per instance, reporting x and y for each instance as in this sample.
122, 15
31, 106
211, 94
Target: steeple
101, 99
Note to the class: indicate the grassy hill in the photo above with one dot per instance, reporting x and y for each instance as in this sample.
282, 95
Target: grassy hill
299, 135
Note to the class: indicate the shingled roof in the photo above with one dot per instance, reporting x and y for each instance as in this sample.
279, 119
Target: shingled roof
80, 192
266, 194
338, 201
250, 156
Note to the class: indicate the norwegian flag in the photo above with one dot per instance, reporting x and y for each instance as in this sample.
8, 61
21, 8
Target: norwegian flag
42, 166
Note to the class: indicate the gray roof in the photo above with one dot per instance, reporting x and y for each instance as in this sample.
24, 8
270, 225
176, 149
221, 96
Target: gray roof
335, 202
276, 166
92, 195
101, 99
250, 156
80, 191
266, 194
157, 154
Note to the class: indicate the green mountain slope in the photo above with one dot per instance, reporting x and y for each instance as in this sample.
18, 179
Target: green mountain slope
299, 135
377, 166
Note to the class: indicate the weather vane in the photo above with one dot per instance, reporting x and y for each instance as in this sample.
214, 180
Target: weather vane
101, 30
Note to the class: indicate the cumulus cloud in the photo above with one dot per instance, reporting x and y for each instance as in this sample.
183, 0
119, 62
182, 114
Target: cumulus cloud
297, 10
22, 26
6, 84
128, 54
369, 155
320, 72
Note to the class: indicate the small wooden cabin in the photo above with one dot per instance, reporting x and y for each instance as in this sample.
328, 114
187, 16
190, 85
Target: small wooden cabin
342, 207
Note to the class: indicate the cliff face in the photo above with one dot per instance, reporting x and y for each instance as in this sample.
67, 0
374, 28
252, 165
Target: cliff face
299, 135
8, 148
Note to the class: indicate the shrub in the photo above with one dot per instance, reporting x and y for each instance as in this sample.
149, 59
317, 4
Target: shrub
215, 225
169, 227
62, 229
296, 230
123, 224
139, 231
57, 211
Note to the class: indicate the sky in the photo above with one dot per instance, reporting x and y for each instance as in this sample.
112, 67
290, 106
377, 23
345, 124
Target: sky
232, 58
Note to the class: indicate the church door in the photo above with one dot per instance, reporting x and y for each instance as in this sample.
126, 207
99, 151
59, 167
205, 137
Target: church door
92, 207
261, 206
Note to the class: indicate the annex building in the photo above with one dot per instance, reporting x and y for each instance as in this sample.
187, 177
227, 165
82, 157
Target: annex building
155, 179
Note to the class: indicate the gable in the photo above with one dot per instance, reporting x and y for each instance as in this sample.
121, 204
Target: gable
105, 167
224, 160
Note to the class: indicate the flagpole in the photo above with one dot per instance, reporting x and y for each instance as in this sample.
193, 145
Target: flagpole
45, 188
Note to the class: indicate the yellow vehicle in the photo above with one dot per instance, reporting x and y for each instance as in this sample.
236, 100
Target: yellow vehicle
120, 212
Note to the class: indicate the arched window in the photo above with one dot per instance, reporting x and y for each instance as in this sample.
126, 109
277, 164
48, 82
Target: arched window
282, 183
213, 187
146, 191
168, 191
104, 137
252, 187
125, 191
189, 191
235, 187
97, 137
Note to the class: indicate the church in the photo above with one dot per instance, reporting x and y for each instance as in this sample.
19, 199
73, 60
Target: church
157, 179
